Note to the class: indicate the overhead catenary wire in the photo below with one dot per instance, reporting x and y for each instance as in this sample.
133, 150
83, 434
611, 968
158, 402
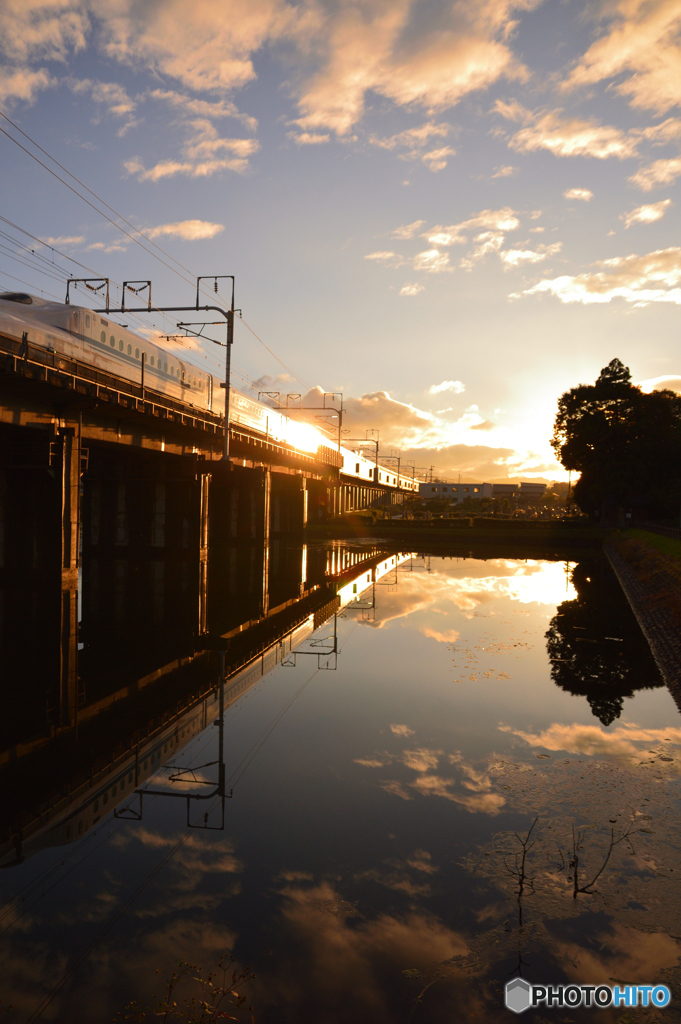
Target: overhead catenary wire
137, 231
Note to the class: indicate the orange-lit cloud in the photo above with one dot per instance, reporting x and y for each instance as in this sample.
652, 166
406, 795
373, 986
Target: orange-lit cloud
653, 277
660, 172
566, 136
584, 194
641, 48
628, 740
189, 230
646, 214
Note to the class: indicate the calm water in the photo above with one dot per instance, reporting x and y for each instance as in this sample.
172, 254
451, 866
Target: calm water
376, 862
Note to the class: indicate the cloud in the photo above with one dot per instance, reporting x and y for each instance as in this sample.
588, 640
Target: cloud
393, 418
433, 261
485, 425
455, 386
646, 214
190, 106
661, 172
32, 30
386, 257
110, 94
641, 47
506, 171
568, 136
653, 277
63, 240
189, 230
309, 138
23, 84
411, 289
627, 740
665, 383
415, 141
388, 50
516, 257
504, 219
401, 730
408, 230
450, 636
202, 152
584, 194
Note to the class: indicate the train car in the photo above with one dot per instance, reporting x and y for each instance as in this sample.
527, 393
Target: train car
79, 333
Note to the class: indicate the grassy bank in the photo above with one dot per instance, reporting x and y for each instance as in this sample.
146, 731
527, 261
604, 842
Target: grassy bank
656, 562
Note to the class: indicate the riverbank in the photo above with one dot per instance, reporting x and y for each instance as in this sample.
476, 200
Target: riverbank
648, 567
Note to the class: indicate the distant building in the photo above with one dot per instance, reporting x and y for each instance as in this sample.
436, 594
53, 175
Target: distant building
520, 492
455, 492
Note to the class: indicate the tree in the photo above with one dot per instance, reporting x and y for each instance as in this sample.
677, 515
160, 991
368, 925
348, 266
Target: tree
625, 444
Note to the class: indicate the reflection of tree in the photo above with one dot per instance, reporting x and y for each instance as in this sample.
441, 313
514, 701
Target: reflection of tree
595, 645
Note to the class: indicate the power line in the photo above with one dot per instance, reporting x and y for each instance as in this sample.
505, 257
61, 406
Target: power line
118, 226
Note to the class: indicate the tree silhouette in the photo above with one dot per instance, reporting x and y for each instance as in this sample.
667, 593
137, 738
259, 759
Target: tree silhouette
595, 646
625, 444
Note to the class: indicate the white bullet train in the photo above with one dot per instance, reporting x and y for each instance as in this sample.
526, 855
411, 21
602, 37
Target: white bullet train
76, 332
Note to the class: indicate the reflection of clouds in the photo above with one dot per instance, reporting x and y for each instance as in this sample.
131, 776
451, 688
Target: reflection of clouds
625, 953
398, 874
621, 742
401, 730
479, 795
467, 585
198, 856
422, 759
450, 636
346, 958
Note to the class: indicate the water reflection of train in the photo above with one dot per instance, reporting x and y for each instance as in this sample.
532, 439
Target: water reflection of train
78, 333
88, 804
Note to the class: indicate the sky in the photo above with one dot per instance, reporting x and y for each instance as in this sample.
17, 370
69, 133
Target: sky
451, 212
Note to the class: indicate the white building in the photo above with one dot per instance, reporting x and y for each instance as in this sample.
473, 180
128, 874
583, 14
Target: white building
455, 492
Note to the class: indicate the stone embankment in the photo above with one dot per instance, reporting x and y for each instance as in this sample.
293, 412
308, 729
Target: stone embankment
651, 581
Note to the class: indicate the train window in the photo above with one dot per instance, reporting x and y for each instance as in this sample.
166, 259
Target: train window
152, 360
102, 337
105, 798
80, 827
112, 341
129, 350
95, 806
120, 344
172, 371
87, 319
183, 375
165, 367
137, 353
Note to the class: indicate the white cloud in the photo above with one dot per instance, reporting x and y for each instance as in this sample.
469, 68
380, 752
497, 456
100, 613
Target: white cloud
568, 136
516, 257
646, 214
189, 230
432, 260
584, 194
504, 219
506, 171
653, 277
385, 257
411, 289
62, 240
408, 230
455, 386
660, 172
668, 382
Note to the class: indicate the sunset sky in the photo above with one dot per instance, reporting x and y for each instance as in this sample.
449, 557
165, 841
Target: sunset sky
451, 212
